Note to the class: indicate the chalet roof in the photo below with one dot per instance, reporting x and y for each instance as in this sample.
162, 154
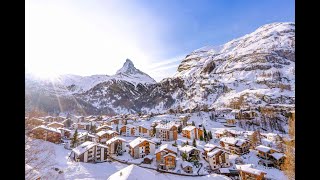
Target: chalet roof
115, 139
47, 128
138, 141
104, 126
65, 129
166, 126
55, 123
166, 146
220, 131
277, 156
229, 140
101, 133
85, 147
85, 134
248, 168
214, 152
188, 128
234, 141
187, 148
132, 172
263, 148
186, 164
170, 154
209, 147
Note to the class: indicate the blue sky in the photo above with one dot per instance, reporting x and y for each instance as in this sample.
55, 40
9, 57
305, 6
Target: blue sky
95, 37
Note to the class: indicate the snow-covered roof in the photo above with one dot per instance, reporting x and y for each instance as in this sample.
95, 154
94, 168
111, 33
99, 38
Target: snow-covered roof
263, 148
115, 139
240, 142
186, 164
188, 128
101, 133
170, 154
65, 129
55, 123
277, 156
104, 126
214, 152
232, 131
47, 128
188, 148
85, 147
229, 140
248, 168
149, 156
209, 147
166, 126
166, 146
138, 141
132, 172
234, 141
220, 131
80, 135
224, 170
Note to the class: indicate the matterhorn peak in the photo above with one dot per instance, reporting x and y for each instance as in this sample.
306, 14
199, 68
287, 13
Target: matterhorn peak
128, 68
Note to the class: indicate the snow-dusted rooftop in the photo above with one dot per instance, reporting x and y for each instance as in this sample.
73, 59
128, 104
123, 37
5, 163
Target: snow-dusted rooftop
138, 141
188, 128
101, 133
166, 126
209, 147
170, 154
248, 168
277, 156
85, 147
55, 123
234, 141
47, 128
188, 148
132, 172
263, 148
115, 139
166, 146
214, 152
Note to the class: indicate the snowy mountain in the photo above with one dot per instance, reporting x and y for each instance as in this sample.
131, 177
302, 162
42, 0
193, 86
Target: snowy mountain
258, 68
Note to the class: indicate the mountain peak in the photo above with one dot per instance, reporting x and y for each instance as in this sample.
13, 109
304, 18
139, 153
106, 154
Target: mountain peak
130, 73
128, 68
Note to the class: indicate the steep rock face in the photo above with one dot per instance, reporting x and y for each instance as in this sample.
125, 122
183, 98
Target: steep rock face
259, 67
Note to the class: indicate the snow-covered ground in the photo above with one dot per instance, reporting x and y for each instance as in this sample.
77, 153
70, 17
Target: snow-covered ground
80, 170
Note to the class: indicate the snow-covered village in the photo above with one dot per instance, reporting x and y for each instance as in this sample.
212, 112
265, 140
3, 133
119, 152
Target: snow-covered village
176, 145
135, 90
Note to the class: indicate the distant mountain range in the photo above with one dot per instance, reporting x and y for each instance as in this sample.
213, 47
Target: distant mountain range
258, 67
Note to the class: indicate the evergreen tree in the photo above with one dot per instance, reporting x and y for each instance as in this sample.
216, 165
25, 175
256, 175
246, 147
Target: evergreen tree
184, 156
193, 124
175, 143
201, 138
187, 143
205, 134
74, 139
194, 143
